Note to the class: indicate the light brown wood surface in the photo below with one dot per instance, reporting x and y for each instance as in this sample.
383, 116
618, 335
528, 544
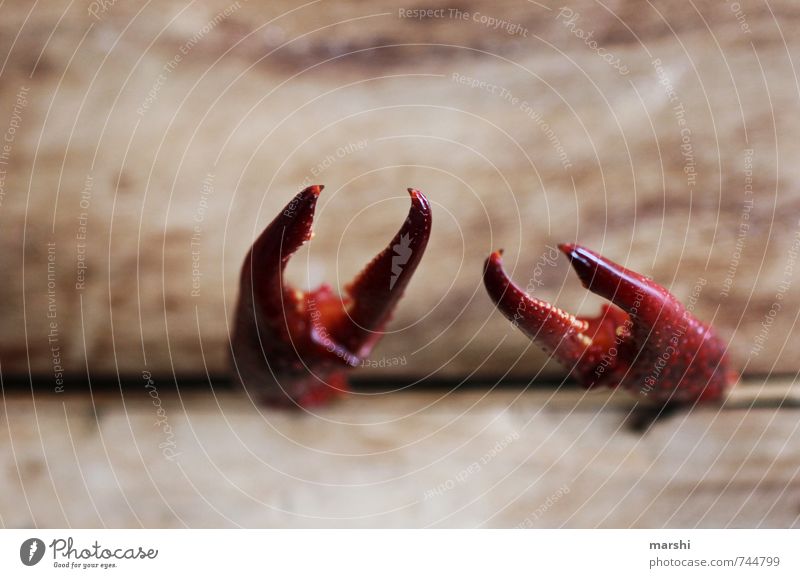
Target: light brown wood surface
267, 95
544, 459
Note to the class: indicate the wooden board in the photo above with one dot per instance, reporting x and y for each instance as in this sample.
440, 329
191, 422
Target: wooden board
502, 458
368, 103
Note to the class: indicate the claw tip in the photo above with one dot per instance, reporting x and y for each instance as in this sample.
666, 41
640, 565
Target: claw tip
582, 260
419, 201
315, 189
416, 195
493, 262
495, 258
567, 248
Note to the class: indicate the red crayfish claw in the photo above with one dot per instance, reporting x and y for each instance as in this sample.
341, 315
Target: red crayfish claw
294, 348
647, 342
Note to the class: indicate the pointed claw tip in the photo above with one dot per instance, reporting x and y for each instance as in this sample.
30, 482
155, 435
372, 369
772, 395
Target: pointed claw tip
495, 278
567, 248
581, 259
417, 197
314, 189
577, 253
494, 259
494, 275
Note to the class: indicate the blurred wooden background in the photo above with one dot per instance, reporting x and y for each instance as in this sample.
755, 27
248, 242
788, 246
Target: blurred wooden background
149, 143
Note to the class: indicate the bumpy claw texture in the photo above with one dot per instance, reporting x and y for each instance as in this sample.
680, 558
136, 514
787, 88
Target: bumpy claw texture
294, 348
648, 344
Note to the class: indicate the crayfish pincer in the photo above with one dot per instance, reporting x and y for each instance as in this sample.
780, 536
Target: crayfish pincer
295, 348
647, 342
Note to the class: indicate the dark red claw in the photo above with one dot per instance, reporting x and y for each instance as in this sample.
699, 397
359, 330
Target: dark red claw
650, 345
378, 288
644, 300
554, 329
291, 347
270, 253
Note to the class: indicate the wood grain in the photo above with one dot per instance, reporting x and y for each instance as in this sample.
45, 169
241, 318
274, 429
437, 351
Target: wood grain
503, 458
269, 95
